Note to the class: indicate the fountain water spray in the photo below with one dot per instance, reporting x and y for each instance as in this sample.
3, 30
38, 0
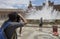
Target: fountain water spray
47, 13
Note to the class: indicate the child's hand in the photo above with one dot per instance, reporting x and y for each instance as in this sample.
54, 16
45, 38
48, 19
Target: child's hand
26, 22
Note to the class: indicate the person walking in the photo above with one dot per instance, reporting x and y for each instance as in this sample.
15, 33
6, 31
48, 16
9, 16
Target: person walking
41, 23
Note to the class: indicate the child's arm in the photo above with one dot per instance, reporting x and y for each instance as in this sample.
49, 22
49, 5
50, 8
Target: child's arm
23, 19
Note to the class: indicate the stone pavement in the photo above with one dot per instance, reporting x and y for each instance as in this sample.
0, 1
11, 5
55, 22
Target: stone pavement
35, 33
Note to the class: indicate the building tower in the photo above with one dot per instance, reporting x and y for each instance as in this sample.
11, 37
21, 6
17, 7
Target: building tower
49, 3
30, 5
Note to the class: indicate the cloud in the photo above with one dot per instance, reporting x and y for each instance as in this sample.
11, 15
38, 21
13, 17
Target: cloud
13, 3
57, 1
22, 3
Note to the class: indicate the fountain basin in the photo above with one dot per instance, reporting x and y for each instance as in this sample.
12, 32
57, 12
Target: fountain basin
36, 21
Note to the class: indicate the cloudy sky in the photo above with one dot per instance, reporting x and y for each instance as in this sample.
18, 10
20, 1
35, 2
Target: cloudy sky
22, 3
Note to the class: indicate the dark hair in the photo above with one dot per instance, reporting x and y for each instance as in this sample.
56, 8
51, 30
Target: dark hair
12, 16
18, 18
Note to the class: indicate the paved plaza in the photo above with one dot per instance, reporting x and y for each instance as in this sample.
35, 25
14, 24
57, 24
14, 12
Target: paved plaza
35, 33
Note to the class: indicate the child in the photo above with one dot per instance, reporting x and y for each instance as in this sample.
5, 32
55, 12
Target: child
10, 25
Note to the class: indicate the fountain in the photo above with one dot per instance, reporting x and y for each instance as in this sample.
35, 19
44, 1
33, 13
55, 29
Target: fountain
47, 13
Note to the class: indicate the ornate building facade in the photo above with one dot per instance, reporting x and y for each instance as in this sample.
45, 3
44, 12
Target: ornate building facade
4, 12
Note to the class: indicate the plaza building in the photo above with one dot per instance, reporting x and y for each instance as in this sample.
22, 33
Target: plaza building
4, 13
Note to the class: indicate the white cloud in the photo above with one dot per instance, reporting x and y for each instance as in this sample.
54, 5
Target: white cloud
11, 3
31, 0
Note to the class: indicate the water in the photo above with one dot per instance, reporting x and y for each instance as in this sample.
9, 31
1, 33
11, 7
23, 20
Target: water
41, 35
46, 13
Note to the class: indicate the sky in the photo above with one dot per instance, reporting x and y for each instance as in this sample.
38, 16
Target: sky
22, 3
